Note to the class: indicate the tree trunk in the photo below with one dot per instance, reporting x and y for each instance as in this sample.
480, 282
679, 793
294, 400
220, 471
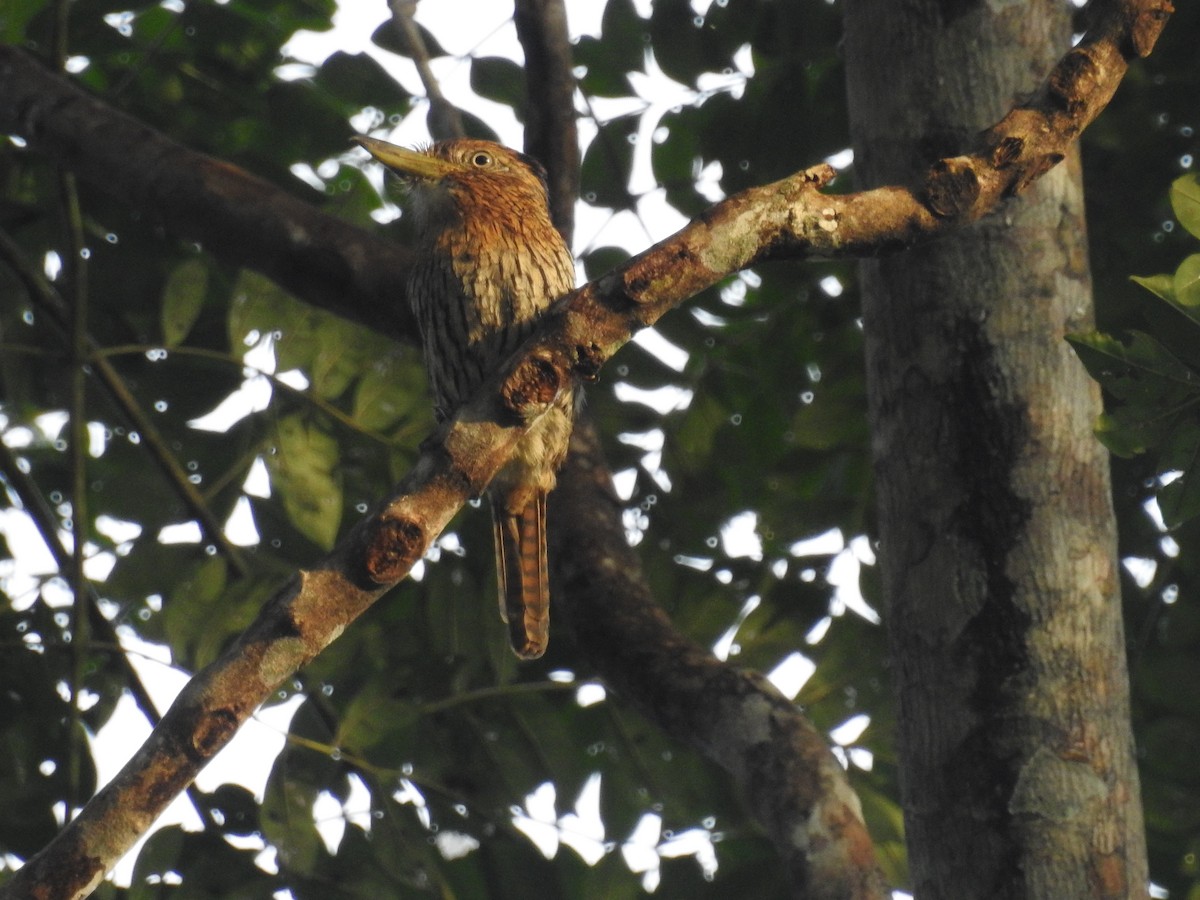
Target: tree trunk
997, 535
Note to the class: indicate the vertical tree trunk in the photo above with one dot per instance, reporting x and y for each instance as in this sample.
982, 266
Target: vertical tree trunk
996, 528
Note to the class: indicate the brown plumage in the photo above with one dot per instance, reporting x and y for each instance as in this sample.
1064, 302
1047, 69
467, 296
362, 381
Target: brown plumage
490, 262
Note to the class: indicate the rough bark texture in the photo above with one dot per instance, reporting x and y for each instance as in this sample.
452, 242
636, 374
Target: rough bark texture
997, 534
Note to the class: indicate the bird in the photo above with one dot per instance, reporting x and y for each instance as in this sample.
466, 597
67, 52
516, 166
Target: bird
490, 263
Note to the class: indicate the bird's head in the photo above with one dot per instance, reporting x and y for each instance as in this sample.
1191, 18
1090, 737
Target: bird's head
476, 177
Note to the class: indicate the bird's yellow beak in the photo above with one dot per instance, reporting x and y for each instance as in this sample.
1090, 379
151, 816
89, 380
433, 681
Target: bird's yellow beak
402, 161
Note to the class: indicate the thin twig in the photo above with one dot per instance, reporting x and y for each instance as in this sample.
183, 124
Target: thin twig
445, 120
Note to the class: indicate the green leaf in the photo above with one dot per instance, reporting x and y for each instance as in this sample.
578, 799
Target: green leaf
499, 79
360, 81
1120, 438
183, 298
388, 37
1179, 501
1138, 371
389, 392
303, 470
608, 164
374, 717
1186, 284
1162, 285
1185, 202
609, 59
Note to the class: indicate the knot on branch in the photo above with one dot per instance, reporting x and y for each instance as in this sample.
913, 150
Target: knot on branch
819, 175
1146, 26
391, 549
1073, 81
532, 385
214, 730
951, 188
589, 358
1007, 151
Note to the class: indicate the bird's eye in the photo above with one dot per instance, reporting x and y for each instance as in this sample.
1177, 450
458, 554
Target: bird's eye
481, 159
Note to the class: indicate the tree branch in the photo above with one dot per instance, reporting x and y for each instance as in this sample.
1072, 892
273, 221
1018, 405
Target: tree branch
237, 216
788, 219
550, 125
782, 764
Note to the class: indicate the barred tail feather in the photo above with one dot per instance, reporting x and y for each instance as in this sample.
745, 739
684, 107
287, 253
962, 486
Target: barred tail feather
521, 573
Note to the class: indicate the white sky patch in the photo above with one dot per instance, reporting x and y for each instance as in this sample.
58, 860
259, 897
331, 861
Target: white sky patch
665, 399
240, 527
97, 439
254, 395
98, 565
725, 646
843, 575
791, 674
331, 824
410, 793
695, 842
670, 355
590, 693
817, 633
117, 530
180, 533
624, 482
699, 563
52, 423
293, 378
18, 437
640, 850
538, 820
1154, 512
52, 264
843, 159
861, 547
850, 730
258, 479
650, 441
454, 844
831, 285
740, 538
861, 757
583, 829
825, 544
31, 556
1142, 570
